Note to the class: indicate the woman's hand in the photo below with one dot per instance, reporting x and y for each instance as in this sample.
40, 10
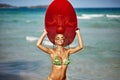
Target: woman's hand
77, 31
45, 31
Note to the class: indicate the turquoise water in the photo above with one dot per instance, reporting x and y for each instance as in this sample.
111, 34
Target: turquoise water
20, 59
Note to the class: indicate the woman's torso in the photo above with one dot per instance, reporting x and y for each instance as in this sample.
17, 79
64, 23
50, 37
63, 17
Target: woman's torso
60, 66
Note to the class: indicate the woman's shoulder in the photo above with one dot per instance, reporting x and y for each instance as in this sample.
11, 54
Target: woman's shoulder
51, 49
66, 49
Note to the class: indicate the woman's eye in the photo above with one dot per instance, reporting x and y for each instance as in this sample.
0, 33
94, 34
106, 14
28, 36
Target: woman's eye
57, 38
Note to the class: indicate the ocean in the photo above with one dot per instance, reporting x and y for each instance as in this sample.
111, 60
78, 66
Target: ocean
20, 59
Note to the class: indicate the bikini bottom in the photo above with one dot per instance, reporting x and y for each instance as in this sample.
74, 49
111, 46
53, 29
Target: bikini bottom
50, 78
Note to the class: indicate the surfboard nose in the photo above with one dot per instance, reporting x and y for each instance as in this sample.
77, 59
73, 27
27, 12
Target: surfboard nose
60, 30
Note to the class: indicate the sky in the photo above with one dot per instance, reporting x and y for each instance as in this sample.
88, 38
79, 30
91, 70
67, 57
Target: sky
75, 3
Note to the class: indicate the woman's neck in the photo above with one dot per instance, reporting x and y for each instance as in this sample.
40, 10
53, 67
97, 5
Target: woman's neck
60, 48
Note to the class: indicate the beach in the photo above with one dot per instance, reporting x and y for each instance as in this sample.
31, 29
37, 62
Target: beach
20, 59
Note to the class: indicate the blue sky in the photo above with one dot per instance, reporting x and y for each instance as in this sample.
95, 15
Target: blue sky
75, 3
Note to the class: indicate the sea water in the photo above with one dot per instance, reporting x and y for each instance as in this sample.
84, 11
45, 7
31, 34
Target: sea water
20, 59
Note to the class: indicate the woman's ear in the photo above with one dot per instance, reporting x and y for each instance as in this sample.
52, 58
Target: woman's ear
55, 41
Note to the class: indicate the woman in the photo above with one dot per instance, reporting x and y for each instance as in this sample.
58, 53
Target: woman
59, 55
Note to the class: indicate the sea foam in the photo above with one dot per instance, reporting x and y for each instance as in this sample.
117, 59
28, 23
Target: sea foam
47, 43
31, 38
90, 16
112, 16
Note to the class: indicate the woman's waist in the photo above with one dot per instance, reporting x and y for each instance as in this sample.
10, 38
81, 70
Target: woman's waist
57, 76
58, 71
61, 68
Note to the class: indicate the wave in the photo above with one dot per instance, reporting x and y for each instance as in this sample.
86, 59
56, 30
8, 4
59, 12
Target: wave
31, 38
47, 43
83, 17
90, 16
112, 16
93, 15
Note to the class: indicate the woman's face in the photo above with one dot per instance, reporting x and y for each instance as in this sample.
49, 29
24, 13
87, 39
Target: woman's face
59, 39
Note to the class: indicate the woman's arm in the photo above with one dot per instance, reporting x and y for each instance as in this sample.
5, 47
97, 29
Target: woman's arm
80, 43
39, 43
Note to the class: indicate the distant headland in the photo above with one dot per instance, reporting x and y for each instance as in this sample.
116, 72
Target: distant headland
11, 6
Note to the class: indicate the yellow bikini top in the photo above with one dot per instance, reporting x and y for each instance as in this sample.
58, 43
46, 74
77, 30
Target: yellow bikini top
57, 61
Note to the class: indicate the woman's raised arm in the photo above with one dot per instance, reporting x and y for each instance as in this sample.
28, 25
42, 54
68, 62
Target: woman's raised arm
39, 43
80, 43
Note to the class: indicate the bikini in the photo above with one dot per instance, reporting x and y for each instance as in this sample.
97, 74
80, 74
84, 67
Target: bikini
57, 61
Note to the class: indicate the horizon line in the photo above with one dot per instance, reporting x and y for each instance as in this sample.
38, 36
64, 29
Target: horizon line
34, 6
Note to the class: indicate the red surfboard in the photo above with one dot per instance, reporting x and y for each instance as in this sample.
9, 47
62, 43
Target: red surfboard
60, 18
